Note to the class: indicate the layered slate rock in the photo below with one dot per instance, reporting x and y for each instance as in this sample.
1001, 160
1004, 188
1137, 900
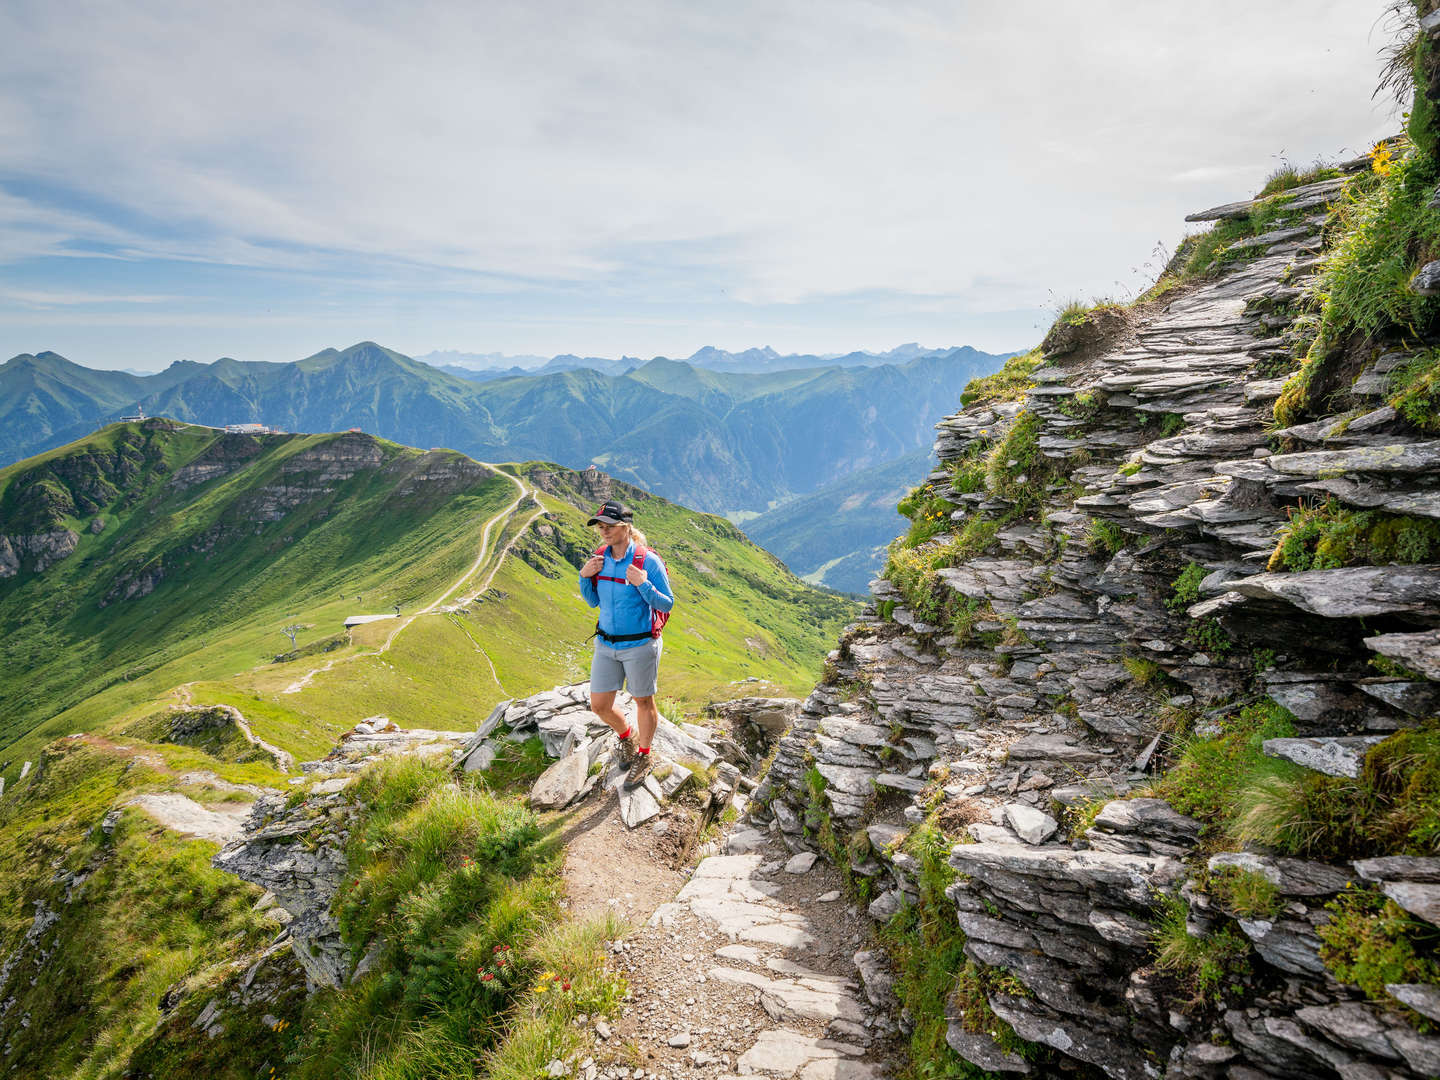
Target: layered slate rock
1159, 455
585, 749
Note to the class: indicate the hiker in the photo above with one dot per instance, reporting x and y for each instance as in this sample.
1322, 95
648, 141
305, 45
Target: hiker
627, 582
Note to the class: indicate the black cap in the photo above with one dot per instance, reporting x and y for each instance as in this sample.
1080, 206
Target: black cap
610, 512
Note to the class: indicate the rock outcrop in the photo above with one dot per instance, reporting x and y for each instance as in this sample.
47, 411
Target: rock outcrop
1131, 500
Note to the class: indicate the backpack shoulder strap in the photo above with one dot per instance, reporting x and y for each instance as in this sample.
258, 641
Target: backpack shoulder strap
638, 559
601, 549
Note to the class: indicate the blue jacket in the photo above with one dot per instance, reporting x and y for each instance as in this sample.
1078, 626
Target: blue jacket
625, 608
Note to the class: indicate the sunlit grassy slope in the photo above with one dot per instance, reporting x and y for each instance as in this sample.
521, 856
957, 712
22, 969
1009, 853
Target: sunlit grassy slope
242, 536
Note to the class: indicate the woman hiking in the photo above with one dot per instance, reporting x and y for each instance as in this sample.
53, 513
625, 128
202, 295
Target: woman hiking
627, 590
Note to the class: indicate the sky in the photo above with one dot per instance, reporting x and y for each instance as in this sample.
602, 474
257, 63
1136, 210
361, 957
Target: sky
264, 180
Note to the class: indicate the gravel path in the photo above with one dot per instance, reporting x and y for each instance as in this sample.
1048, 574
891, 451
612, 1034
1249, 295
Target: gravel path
750, 969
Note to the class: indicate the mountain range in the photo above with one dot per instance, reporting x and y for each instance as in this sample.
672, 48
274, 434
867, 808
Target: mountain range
482, 366
722, 441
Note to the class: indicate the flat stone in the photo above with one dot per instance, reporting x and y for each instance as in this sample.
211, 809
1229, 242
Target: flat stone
985, 833
639, 804
1148, 817
680, 1040
1051, 748
1350, 592
745, 954
886, 905
1342, 755
1424, 998
1401, 458
744, 841
1416, 897
1419, 651
801, 863
1293, 877
1031, 825
828, 897
877, 979
784, 1052
980, 1049
1424, 868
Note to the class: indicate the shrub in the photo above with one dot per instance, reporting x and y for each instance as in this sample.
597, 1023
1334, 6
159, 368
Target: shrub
1392, 807
1008, 384
1287, 176
932, 971
1380, 235
1142, 671
1104, 537
1415, 390
1206, 966
1370, 941
460, 885
1209, 252
1323, 535
1211, 773
1185, 590
1016, 469
929, 514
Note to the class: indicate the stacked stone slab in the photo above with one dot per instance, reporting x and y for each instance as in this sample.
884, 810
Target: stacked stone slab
991, 743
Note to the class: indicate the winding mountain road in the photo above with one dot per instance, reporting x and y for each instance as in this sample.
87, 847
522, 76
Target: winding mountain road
501, 519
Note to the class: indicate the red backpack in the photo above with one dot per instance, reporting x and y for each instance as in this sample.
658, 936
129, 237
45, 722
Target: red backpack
658, 619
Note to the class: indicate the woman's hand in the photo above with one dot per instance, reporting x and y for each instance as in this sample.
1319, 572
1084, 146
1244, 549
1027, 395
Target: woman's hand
636, 576
593, 566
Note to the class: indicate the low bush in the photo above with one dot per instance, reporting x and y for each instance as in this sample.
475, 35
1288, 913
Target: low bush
1370, 941
1324, 534
1392, 807
1207, 967
1211, 773
1016, 469
1104, 537
1287, 176
462, 890
1008, 384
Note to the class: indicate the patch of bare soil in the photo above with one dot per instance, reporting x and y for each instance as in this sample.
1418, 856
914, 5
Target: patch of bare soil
610, 867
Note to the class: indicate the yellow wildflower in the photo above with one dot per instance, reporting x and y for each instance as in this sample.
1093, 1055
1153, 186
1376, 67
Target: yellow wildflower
1382, 159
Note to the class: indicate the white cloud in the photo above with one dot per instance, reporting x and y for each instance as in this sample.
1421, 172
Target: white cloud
48, 298
781, 151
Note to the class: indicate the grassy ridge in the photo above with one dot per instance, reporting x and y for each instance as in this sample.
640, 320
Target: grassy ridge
75, 646
81, 657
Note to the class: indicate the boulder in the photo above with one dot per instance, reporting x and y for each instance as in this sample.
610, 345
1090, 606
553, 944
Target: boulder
1333, 755
558, 785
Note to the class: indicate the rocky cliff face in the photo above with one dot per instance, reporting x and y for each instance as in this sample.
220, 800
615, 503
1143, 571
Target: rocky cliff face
1099, 602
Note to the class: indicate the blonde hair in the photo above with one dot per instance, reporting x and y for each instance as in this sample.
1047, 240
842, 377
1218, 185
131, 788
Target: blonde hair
635, 535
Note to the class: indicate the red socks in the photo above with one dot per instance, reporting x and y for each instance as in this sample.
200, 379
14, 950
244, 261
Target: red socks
626, 734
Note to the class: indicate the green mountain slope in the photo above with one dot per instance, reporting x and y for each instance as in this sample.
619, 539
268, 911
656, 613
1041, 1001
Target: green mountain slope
837, 536
723, 441
159, 562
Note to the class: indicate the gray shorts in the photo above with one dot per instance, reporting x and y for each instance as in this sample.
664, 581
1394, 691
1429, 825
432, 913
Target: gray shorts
639, 666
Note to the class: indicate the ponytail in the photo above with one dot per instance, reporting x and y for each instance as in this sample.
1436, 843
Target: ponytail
639, 537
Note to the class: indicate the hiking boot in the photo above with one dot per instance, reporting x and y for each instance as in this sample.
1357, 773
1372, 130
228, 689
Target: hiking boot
638, 771
627, 753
